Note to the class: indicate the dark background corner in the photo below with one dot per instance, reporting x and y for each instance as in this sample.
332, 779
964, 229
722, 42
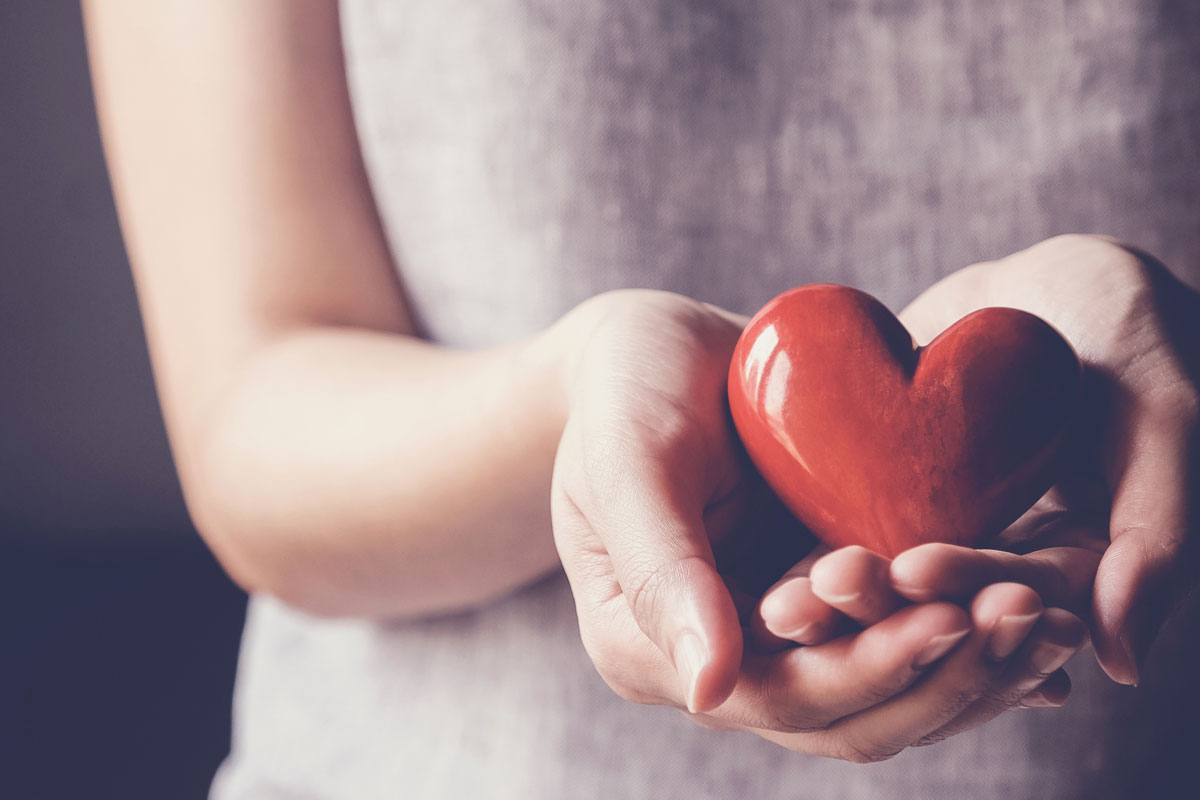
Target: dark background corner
120, 630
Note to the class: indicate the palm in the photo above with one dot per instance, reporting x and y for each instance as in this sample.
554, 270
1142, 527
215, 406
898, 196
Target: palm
1126, 481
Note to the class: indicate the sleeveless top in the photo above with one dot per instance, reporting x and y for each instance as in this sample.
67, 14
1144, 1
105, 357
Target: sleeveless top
526, 154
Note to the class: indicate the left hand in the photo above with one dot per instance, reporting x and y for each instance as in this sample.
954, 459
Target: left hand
1123, 509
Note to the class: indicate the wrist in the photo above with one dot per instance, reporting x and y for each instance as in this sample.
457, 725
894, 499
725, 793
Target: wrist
645, 320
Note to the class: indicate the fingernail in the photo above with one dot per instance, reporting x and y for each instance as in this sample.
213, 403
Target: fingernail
777, 602
1131, 660
690, 658
1036, 700
1048, 656
800, 634
912, 591
840, 599
1008, 633
938, 646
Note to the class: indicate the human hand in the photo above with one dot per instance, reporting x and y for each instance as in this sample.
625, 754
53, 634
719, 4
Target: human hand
649, 476
834, 592
1129, 478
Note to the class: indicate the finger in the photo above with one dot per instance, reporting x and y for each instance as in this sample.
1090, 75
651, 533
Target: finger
648, 520
1002, 615
1051, 694
790, 612
1062, 576
857, 582
1149, 526
1057, 637
745, 604
806, 688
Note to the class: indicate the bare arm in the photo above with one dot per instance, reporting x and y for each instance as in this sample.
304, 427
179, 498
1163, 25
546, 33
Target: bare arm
334, 460
327, 456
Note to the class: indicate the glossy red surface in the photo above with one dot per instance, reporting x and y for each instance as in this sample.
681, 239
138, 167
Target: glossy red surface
869, 440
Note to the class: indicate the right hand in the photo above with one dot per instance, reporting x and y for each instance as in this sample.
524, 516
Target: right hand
649, 475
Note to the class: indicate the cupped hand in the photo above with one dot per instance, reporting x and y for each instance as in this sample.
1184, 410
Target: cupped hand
832, 592
1129, 481
649, 477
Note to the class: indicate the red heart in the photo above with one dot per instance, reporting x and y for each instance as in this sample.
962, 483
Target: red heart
870, 440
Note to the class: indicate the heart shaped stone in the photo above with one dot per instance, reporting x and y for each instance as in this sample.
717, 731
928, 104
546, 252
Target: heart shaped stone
870, 440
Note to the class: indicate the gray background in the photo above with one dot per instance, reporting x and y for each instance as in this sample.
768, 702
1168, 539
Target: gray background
118, 632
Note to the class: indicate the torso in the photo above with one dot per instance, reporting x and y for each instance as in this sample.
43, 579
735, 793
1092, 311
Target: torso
526, 154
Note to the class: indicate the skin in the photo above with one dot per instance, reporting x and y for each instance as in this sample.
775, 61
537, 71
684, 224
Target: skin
335, 460
1132, 476
1123, 510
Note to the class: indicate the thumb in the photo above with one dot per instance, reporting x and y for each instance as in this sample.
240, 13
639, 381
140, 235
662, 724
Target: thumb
684, 606
1138, 577
653, 529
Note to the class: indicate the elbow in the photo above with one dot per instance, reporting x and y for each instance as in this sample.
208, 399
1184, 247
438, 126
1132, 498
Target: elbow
253, 559
319, 583
259, 552
279, 529
308, 570
261, 563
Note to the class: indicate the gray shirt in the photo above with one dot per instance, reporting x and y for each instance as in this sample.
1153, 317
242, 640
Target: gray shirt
526, 154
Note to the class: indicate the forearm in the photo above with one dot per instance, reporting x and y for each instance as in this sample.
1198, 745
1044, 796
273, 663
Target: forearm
326, 455
364, 473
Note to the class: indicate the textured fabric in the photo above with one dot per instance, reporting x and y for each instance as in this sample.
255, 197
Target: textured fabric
526, 154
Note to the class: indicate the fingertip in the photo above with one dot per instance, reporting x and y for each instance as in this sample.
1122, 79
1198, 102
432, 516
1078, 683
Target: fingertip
1006, 599
841, 576
1114, 656
711, 684
1114, 596
780, 601
1068, 629
917, 635
858, 552
953, 617
1053, 693
707, 672
913, 572
1120, 665
791, 611
947, 625
702, 635
1056, 639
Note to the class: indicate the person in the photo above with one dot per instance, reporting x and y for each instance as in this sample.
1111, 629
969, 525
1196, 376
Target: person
436, 298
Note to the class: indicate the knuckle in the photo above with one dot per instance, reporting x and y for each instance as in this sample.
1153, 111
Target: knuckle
793, 721
1152, 544
995, 702
648, 589
645, 590
1177, 400
787, 714
959, 701
1075, 240
1104, 258
1102, 251
875, 693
